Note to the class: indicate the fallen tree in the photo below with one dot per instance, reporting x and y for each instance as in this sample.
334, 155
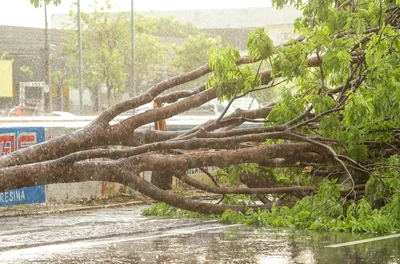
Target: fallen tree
337, 119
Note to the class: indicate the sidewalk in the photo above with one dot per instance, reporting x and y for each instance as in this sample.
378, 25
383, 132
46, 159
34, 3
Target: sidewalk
91, 204
45, 209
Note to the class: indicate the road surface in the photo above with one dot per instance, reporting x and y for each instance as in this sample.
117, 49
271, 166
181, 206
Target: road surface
122, 235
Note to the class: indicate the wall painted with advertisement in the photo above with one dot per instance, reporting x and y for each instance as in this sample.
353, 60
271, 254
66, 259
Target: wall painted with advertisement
13, 139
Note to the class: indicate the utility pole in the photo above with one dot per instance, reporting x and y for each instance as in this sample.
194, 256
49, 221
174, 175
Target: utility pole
48, 102
133, 88
80, 60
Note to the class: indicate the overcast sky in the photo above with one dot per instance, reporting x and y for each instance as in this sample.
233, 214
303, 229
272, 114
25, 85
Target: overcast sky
22, 13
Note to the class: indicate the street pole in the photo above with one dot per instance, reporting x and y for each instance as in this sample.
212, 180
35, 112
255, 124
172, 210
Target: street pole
80, 60
48, 103
133, 88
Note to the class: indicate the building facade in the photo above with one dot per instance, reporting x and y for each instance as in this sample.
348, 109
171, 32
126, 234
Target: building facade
25, 47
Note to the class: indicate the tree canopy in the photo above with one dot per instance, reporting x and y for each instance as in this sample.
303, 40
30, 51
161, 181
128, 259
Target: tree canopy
329, 149
106, 40
106, 49
36, 3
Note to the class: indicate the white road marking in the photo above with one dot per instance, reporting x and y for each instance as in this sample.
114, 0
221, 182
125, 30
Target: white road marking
363, 241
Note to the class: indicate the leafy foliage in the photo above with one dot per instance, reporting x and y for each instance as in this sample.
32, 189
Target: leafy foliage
239, 199
364, 65
36, 3
325, 211
162, 209
187, 56
231, 79
169, 26
193, 52
259, 44
107, 49
290, 62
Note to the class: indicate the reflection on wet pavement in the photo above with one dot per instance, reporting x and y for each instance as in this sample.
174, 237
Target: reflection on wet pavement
123, 236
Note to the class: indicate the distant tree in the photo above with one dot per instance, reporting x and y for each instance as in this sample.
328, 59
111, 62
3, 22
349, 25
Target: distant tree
150, 53
194, 49
171, 27
36, 3
106, 51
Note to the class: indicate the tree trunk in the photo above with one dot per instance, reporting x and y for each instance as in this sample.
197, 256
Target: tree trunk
95, 99
253, 180
161, 179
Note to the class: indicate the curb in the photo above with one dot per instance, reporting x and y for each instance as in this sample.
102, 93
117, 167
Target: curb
73, 209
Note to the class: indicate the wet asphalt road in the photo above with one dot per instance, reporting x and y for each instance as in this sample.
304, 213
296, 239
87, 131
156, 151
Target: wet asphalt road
122, 235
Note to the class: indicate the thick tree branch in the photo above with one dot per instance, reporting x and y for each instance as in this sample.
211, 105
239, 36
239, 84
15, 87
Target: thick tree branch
50, 172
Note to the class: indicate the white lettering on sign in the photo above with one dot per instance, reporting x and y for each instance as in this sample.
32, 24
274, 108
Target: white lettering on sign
11, 196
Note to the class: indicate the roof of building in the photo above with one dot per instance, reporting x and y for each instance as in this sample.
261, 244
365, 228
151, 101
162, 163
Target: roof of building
217, 18
25, 46
25, 40
232, 18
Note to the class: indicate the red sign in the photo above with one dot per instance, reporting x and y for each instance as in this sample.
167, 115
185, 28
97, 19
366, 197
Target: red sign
18, 138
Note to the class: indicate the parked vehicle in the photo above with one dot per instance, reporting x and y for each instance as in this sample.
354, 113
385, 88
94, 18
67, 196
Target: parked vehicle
63, 114
24, 111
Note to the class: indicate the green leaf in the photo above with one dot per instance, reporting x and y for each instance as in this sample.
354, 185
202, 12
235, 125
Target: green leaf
259, 44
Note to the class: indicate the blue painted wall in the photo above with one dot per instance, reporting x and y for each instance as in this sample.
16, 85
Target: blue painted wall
13, 139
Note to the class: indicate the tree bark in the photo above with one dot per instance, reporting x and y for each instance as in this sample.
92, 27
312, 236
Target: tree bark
161, 179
